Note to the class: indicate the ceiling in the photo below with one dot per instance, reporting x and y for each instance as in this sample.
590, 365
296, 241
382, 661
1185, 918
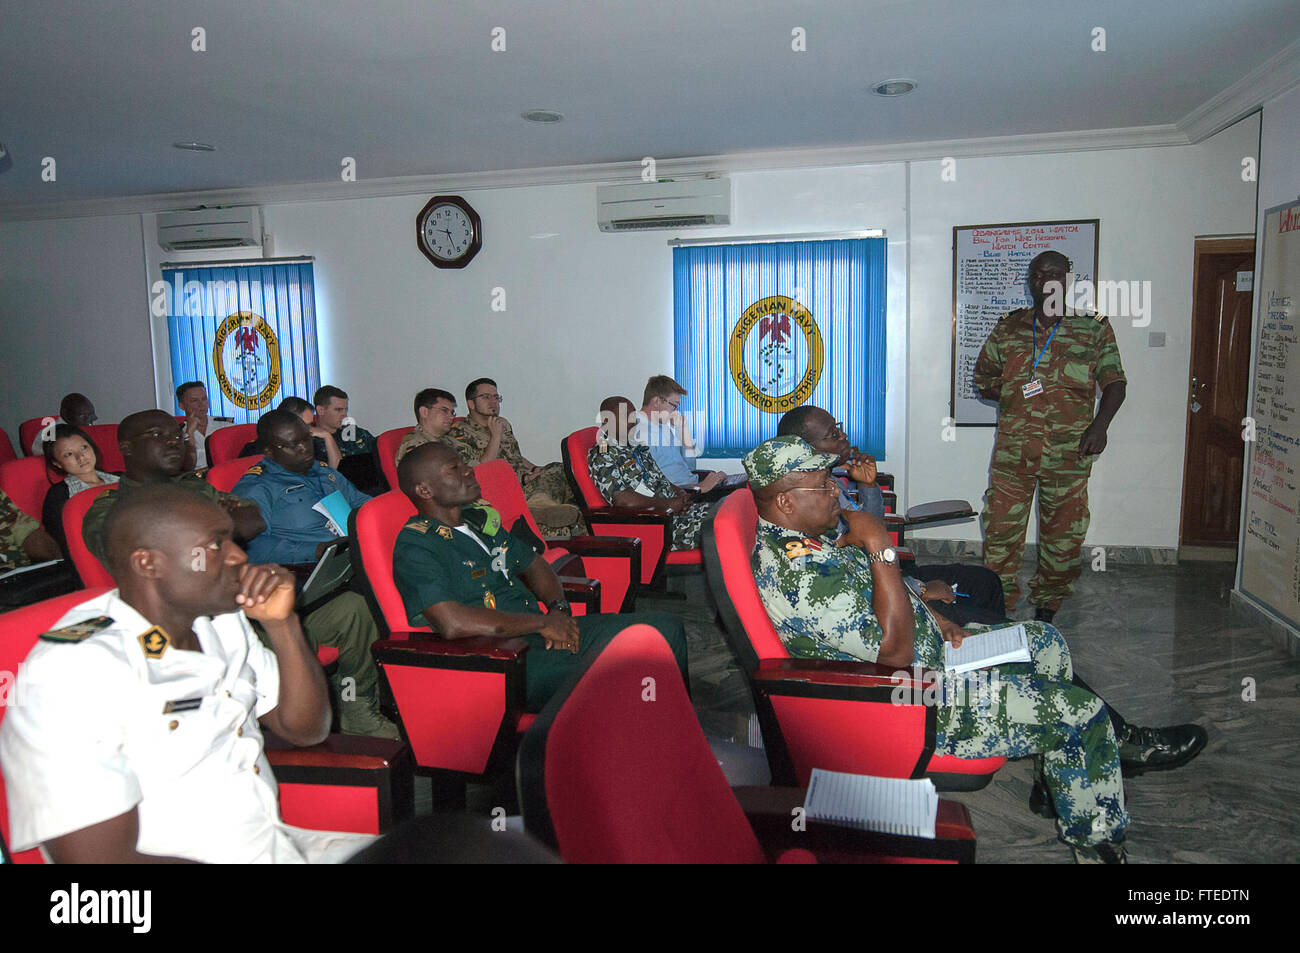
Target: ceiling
285, 90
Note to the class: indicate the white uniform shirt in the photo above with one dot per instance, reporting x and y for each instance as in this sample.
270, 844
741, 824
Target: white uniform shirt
90, 738
201, 439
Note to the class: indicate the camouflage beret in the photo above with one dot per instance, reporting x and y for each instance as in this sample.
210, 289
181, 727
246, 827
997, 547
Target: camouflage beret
775, 458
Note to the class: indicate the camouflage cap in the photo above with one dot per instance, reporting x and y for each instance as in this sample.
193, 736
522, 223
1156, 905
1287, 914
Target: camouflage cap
775, 458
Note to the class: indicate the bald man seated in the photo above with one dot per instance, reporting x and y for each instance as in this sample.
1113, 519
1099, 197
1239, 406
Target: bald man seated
460, 571
139, 739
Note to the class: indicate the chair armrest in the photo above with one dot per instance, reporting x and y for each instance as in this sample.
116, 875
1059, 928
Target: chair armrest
599, 545
631, 514
938, 511
432, 646
832, 672
340, 751
582, 590
770, 811
345, 763
885, 480
570, 564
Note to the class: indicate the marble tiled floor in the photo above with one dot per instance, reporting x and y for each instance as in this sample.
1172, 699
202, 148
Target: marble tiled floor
1163, 646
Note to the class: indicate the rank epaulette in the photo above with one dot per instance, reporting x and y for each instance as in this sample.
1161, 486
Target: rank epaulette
254, 470
78, 630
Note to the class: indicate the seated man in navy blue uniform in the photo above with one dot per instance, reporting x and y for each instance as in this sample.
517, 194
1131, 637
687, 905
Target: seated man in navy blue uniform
463, 573
286, 486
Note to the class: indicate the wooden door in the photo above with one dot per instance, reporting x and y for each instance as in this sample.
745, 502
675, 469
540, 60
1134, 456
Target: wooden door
1216, 392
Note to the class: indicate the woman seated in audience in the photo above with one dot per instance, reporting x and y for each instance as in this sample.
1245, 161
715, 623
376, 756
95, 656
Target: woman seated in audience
73, 454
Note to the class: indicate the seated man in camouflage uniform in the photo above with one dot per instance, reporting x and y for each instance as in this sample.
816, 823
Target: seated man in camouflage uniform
435, 412
23, 542
844, 599
627, 475
459, 570
485, 435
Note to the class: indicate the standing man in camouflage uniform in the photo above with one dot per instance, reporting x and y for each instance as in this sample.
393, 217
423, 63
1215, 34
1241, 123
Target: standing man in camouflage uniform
485, 435
842, 597
627, 475
435, 412
1044, 366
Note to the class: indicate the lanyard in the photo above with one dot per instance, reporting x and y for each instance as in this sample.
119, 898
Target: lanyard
645, 477
1039, 354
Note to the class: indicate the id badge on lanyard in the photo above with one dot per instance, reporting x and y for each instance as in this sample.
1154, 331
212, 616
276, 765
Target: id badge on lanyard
1035, 386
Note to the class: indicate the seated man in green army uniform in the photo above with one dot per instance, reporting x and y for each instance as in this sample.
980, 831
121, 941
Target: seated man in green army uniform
153, 447
842, 597
459, 570
627, 475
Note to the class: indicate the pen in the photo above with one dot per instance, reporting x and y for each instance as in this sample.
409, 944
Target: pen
956, 592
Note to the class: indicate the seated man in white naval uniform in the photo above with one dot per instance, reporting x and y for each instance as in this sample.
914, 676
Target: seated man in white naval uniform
136, 738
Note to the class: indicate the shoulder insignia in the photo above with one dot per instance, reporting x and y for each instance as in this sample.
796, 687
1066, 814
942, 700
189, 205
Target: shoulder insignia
254, 470
202, 473
444, 531
814, 545
78, 630
418, 525
489, 601
794, 548
154, 641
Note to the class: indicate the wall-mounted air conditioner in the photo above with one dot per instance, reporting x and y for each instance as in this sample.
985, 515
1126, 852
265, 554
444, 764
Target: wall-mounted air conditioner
680, 204
210, 228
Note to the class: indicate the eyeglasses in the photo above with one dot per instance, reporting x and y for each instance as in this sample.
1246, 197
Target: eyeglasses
837, 430
830, 486
157, 434
674, 404
497, 397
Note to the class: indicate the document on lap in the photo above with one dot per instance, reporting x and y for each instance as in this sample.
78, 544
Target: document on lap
1000, 646
335, 508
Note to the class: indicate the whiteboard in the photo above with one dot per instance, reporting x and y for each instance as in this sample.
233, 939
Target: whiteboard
1270, 536
990, 269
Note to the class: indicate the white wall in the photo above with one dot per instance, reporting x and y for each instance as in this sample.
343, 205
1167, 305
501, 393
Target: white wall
1152, 204
73, 316
589, 314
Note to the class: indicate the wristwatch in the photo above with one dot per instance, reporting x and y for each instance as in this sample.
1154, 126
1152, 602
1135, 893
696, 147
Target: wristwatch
560, 605
886, 555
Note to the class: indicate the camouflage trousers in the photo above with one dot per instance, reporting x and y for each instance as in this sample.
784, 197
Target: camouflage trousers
687, 525
1032, 709
1060, 477
346, 624
550, 488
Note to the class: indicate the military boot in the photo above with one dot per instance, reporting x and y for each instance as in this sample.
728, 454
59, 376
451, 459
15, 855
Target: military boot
362, 717
1105, 853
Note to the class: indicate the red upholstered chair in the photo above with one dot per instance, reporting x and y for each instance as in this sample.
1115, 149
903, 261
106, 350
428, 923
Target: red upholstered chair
25, 482
225, 444
650, 524
347, 783
459, 701
90, 569
386, 445
817, 713
606, 778
110, 455
27, 431
226, 474
6, 448
615, 561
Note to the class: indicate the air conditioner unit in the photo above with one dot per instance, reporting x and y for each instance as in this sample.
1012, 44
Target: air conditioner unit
682, 204
210, 228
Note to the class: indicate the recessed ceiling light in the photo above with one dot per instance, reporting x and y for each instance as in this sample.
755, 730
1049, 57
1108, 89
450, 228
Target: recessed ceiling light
894, 87
542, 115
192, 146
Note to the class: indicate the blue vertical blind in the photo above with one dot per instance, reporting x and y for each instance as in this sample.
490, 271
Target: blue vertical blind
247, 331
761, 328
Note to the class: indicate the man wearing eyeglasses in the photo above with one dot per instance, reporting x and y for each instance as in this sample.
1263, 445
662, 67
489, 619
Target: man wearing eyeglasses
668, 437
153, 448
485, 435
435, 412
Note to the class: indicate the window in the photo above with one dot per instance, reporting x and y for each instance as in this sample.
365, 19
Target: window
760, 328
247, 331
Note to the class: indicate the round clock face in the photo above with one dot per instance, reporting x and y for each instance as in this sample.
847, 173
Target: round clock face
448, 232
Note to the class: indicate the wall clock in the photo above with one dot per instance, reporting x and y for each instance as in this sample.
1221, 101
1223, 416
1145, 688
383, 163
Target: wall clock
448, 231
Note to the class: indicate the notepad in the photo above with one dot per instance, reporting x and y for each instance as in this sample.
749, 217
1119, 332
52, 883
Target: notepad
335, 508
22, 569
868, 803
986, 649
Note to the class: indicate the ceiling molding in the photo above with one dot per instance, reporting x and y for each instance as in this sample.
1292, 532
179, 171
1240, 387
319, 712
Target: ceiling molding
1271, 78
766, 160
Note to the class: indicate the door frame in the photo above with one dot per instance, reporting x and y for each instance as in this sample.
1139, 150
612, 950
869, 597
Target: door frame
1205, 245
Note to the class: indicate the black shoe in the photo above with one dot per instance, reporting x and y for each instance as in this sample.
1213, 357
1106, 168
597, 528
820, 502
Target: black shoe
1158, 749
1040, 800
1105, 853
1044, 615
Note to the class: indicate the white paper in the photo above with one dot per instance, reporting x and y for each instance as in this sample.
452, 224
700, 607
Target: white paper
886, 805
985, 649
